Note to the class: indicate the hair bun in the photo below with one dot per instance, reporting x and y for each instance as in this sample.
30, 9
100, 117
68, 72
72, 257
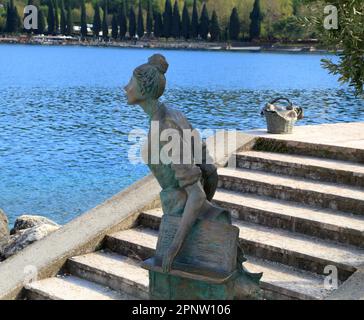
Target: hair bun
160, 62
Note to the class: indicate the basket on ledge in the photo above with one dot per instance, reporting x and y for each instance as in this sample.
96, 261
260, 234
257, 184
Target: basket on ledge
281, 119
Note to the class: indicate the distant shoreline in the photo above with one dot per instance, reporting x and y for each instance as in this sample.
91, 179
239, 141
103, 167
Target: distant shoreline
168, 45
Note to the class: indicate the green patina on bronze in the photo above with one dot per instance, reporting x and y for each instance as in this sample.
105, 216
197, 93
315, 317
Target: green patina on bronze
198, 254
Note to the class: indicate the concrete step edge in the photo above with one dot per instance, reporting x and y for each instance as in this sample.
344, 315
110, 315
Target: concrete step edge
318, 194
323, 223
285, 254
68, 287
317, 169
279, 288
111, 270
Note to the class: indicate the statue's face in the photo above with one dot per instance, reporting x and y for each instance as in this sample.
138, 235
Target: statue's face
132, 92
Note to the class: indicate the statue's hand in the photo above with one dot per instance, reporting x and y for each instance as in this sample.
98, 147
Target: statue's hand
168, 260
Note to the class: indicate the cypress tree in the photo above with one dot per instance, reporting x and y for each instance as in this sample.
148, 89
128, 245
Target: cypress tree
114, 27
63, 25
12, 18
41, 22
140, 29
204, 23
176, 21
56, 17
167, 19
234, 25
194, 22
149, 18
50, 17
215, 30
83, 20
256, 18
158, 25
122, 20
96, 27
186, 23
69, 30
132, 23
105, 27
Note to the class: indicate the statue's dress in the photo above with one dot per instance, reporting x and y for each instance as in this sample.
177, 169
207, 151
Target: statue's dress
172, 177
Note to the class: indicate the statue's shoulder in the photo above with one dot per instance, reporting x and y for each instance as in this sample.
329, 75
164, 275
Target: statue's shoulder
171, 117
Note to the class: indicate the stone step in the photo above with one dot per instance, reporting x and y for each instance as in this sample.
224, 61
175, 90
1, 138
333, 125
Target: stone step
321, 223
299, 251
70, 288
303, 166
309, 149
314, 193
279, 281
112, 270
292, 249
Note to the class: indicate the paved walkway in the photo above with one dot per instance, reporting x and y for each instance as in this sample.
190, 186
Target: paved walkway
338, 134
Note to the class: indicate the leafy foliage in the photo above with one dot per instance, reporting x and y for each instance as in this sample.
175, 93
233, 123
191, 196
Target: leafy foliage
347, 41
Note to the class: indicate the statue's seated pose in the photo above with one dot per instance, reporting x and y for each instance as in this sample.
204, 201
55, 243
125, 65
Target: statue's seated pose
187, 188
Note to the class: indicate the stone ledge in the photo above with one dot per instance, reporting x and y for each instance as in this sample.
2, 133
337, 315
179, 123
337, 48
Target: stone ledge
83, 234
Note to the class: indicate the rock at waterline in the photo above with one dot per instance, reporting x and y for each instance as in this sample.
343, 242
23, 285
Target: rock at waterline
27, 229
4, 230
29, 221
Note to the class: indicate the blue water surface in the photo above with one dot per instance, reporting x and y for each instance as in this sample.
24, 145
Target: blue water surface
65, 123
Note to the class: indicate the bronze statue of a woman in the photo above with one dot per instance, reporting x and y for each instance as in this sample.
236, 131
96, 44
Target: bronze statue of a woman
187, 188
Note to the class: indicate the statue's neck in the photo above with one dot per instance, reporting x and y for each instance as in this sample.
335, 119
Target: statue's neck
150, 107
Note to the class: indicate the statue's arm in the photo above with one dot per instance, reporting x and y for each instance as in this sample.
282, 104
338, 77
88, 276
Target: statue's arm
188, 176
195, 200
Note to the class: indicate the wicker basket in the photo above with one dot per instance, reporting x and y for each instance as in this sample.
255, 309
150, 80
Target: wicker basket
280, 120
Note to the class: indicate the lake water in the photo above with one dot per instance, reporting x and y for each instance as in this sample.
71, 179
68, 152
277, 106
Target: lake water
65, 123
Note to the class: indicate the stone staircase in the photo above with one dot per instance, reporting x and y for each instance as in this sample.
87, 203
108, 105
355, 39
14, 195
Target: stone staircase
297, 214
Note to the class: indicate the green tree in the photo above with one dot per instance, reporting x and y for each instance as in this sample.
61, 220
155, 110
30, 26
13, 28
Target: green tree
12, 18
69, 30
186, 22
204, 23
41, 22
176, 21
167, 19
194, 22
215, 30
132, 23
96, 27
114, 27
149, 18
158, 25
56, 17
256, 18
140, 29
105, 27
122, 20
83, 20
50, 18
347, 41
63, 24
234, 25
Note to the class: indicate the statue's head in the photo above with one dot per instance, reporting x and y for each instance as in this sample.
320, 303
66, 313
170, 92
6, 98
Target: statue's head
148, 80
